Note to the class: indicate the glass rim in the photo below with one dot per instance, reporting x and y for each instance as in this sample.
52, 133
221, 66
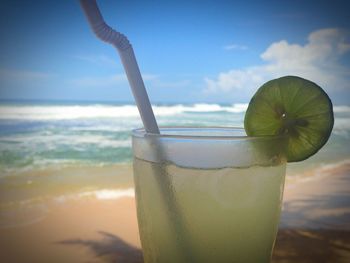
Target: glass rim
141, 133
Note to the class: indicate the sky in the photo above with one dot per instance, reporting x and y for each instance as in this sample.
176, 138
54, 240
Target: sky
188, 51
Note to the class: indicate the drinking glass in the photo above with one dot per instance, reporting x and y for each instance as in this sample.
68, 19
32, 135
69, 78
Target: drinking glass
207, 194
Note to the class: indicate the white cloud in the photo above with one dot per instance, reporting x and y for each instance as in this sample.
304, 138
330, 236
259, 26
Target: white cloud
317, 60
235, 46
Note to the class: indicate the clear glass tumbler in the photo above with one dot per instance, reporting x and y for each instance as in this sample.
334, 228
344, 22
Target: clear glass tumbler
207, 194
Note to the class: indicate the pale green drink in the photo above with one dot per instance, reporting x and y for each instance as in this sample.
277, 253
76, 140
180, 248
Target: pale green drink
213, 213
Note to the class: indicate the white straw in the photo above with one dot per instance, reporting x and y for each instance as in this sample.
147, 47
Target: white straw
107, 34
126, 52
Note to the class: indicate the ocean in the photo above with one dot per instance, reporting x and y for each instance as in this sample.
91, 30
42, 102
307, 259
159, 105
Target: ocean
54, 151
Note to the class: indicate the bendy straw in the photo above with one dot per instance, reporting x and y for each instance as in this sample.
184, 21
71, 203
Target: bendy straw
126, 52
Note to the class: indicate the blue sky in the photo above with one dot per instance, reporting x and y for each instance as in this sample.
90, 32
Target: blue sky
188, 51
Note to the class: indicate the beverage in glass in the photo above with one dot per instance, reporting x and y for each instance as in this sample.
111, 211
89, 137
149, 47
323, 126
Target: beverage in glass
207, 194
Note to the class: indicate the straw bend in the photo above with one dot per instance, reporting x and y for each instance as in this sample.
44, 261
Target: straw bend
100, 28
126, 52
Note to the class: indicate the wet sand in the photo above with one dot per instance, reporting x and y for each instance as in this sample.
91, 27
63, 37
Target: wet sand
315, 227
315, 221
78, 231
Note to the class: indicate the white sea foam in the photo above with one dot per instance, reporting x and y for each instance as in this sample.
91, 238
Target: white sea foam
96, 128
66, 112
103, 194
108, 194
202, 107
342, 124
341, 108
69, 112
237, 108
52, 141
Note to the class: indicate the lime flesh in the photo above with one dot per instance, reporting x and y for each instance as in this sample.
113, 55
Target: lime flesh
296, 108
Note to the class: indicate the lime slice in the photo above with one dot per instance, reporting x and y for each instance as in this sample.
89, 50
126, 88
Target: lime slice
293, 106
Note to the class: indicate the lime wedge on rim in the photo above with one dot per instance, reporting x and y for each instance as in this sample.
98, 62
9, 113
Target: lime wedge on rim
295, 107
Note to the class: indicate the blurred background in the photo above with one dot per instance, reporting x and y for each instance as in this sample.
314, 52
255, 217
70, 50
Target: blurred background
66, 109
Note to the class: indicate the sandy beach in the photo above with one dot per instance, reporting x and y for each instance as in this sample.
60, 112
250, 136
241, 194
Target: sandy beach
315, 221
315, 227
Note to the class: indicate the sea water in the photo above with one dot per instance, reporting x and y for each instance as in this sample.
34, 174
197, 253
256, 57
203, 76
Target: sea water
65, 144
44, 134
207, 215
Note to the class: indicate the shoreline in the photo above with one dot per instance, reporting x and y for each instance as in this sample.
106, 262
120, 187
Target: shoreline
315, 173
322, 202
314, 227
76, 231
112, 182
